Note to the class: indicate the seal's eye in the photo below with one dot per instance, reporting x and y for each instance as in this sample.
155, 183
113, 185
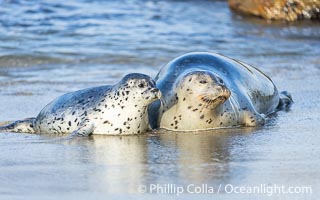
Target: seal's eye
203, 82
141, 85
220, 81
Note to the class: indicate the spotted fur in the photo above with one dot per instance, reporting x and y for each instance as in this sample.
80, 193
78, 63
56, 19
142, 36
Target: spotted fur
212, 91
117, 109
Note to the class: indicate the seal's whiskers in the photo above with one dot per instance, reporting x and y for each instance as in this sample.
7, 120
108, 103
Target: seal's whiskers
234, 105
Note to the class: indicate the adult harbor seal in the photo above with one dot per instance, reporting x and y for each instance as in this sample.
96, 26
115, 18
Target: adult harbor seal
117, 109
206, 90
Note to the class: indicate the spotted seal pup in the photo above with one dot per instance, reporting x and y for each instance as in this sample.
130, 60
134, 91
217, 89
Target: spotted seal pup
117, 109
204, 90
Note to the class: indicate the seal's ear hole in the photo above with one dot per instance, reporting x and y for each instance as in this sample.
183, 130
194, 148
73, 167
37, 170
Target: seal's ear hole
203, 82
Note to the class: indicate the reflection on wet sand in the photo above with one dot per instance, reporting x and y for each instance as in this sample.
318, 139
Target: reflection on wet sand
120, 162
125, 162
204, 156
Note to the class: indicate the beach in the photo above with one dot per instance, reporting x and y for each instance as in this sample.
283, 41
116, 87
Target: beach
51, 48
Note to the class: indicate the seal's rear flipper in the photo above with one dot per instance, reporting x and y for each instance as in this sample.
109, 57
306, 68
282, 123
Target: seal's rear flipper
285, 101
20, 126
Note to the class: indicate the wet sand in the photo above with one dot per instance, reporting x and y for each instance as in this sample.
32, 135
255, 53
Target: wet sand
283, 152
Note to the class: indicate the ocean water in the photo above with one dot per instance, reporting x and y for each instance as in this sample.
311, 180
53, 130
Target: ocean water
48, 48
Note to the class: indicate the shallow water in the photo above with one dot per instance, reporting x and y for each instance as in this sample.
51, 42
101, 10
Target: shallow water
50, 48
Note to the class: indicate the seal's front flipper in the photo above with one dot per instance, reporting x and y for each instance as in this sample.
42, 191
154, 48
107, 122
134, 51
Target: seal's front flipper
285, 101
20, 126
86, 128
253, 119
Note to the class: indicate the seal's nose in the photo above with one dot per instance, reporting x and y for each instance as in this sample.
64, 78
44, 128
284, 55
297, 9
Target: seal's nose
156, 91
223, 91
226, 92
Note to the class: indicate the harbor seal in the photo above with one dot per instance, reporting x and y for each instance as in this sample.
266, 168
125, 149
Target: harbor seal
204, 90
117, 109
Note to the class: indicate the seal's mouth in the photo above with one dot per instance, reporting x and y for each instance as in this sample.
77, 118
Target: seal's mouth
208, 99
213, 101
156, 92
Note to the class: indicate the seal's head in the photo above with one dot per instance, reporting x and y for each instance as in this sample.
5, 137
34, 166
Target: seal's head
140, 87
202, 87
